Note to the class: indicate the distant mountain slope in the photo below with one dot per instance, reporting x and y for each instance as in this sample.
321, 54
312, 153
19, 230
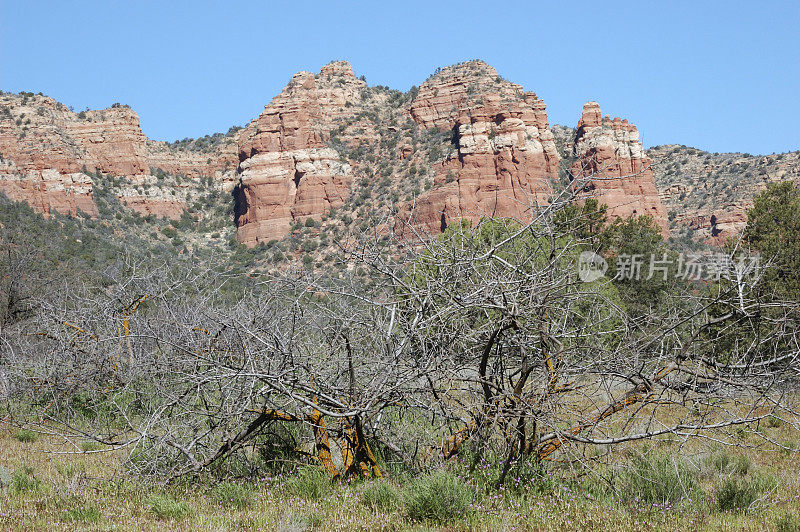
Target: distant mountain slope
331, 158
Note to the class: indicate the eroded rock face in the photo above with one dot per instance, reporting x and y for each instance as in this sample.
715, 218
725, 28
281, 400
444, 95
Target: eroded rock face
506, 158
612, 166
446, 95
48, 153
48, 190
287, 171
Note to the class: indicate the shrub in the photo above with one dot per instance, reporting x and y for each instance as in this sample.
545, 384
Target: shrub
740, 494
23, 480
310, 483
438, 497
657, 480
380, 496
233, 495
26, 436
723, 462
5, 477
165, 507
735, 494
774, 422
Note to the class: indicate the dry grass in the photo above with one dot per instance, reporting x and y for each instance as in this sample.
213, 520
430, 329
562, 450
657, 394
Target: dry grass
87, 491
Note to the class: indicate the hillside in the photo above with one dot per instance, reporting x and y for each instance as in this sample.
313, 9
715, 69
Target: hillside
333, 159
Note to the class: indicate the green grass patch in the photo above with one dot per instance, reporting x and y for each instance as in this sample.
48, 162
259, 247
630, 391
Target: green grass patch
380, 496
23, 480
723, 462
439, 497
26, 436
82, 514
310, 483
739, 494
787, 523
90, 445
658, 480
231, 495
165, 507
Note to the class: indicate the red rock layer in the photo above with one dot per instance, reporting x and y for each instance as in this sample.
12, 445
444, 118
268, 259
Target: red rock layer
48, 152
48, 190
613, 167
506, 159
287, 170
220, 163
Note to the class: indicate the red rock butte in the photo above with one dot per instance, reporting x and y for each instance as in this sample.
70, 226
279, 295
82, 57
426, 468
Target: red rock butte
612, 167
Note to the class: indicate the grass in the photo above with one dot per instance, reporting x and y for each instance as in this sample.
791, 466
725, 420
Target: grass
165, 507
232, 495
47, 491
440, 497
88, 446
82, 514
787, 523
380, 496
660, 479
26, 436
310, 483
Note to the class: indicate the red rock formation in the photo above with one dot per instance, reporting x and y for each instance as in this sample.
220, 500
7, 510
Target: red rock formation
506, 156
287, 170
445, 96
219, 164
48, 190
613, 167
48, 152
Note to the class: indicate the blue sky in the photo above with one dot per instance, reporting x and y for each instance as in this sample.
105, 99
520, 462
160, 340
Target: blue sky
722, 76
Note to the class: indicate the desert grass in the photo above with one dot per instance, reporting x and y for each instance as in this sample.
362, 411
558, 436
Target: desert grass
44, 490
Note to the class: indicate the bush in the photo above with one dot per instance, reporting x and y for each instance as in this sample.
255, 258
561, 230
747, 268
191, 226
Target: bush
26, 436
740, 494
380, 496
657, 480
310, 483
439, 497
723, 462
23, 480
5, 477
165, 507
233, 495
774, 422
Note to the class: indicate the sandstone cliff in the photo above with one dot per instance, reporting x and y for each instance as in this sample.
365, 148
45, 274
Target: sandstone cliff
611, 165
466, 144
287, 170
506, 157
51, 157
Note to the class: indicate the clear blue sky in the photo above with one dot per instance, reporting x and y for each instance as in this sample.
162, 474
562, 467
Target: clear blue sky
722, 76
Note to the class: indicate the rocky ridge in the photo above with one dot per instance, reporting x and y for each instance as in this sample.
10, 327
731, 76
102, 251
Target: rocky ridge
707, 195
332, 158
52, 156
